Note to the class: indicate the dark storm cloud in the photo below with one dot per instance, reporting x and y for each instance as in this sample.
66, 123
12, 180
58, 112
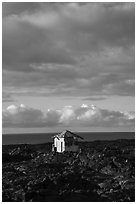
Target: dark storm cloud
23, 116
95, 98
6, 97
100, 25
45, 35
57, 82
23, 44
12, 8
69, 48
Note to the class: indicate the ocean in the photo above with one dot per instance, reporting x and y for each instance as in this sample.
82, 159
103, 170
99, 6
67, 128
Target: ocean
37, 138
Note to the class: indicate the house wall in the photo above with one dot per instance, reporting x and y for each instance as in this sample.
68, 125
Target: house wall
65, 147
73, 148
58, 143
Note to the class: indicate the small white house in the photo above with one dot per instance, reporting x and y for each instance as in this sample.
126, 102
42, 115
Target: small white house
65, 141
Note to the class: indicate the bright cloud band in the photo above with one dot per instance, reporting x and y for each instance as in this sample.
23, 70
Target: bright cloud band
23, 116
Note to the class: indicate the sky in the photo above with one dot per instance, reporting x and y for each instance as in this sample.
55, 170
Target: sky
68, 66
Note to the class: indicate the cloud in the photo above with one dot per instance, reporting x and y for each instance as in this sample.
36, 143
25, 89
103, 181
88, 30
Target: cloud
59, 33
30, 43
67, 115
95, 98
85, 116
70, 49
10, 8
52, 118
6, 97
22, 116
73, 81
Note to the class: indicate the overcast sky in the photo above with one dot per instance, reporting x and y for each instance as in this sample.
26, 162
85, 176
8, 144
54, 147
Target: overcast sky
58, 56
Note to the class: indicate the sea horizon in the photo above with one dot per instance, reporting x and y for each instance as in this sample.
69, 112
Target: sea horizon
38, 138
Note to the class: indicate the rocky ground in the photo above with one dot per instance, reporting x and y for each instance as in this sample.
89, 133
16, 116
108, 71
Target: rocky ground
101, 171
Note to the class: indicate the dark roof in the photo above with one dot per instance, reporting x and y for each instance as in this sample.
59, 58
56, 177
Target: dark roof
67, 133
74, 134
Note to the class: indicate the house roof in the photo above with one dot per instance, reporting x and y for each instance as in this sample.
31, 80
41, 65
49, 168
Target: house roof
67, 133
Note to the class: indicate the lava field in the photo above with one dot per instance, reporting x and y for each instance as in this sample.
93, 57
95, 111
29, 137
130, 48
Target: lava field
102, 171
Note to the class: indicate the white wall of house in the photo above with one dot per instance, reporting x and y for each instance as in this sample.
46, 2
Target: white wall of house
59, 144
61, 147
